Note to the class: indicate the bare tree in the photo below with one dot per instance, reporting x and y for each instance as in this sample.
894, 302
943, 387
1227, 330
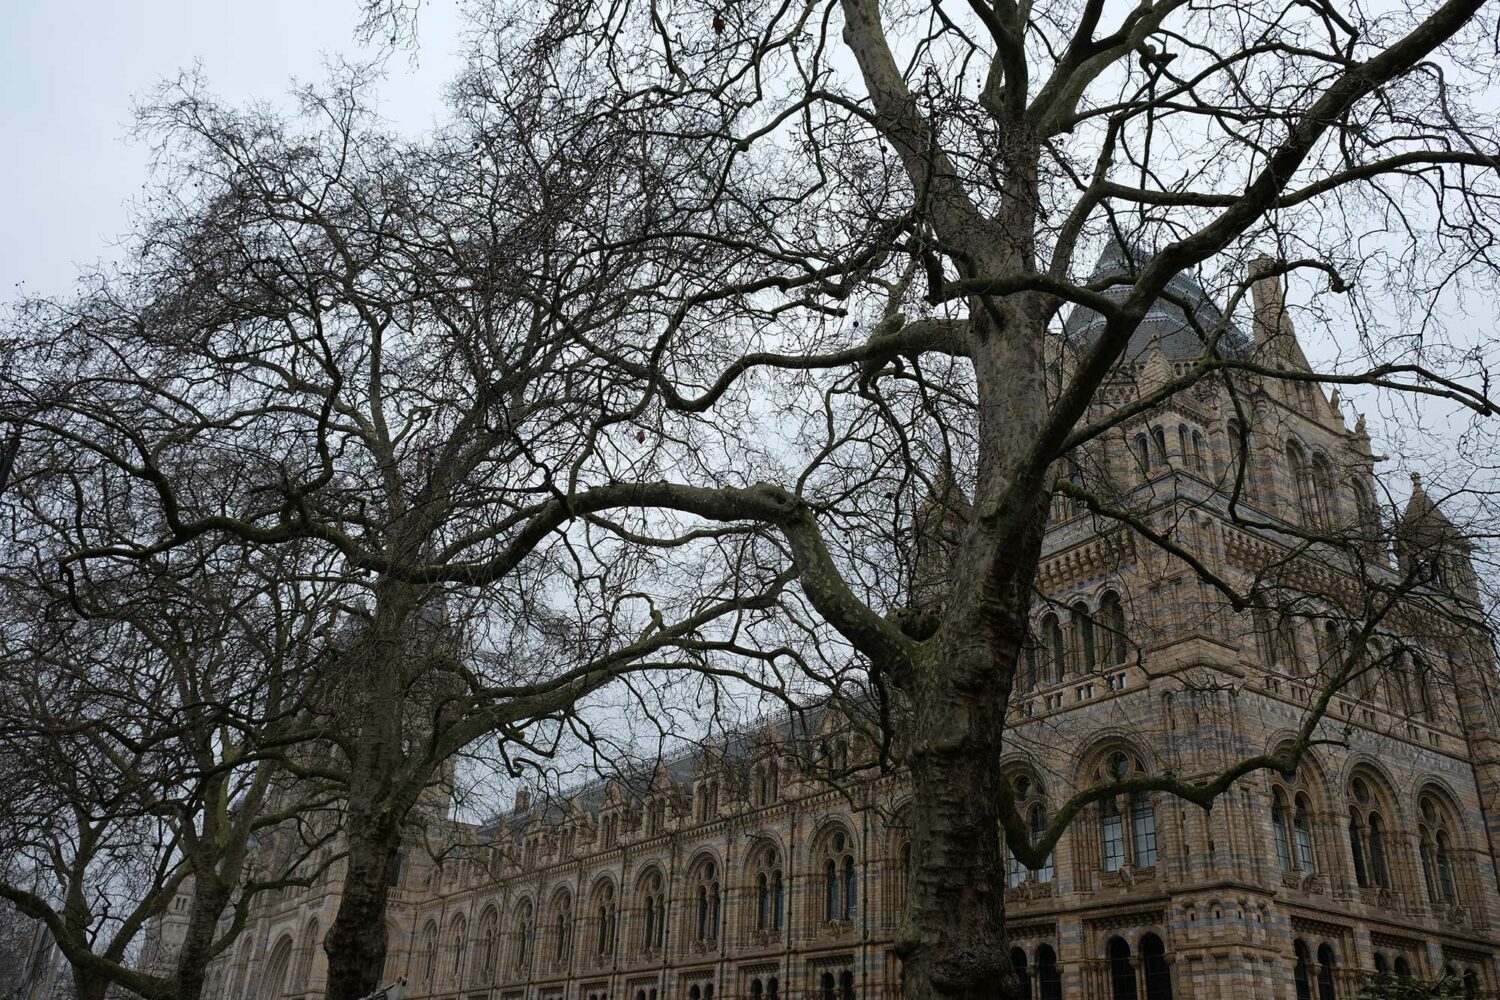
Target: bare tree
150, 720
897, 206
378, 354
691, 303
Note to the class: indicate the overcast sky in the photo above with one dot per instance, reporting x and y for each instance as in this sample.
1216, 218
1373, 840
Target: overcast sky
70, 69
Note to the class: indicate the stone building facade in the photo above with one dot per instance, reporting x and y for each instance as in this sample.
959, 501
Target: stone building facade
741, 872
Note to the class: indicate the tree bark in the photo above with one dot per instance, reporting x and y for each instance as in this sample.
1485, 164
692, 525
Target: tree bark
356, 942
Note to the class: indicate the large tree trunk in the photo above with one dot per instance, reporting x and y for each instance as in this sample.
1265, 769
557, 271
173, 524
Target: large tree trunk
379, 791
209, 900
356, 943
953, 943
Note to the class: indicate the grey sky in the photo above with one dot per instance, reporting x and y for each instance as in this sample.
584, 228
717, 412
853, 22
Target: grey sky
70, 69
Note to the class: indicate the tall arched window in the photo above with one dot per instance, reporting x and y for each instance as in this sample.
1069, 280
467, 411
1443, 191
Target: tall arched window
1083, 633
309, 951
1141, 448
1018, 964
1182, 445
1291, 823
1057, 647
1030, 803
653, 910
603, 905
562, 928
1158, 448
1435, 849
1302, 971
524, 922
1121, 972
429, 953
1367, 837
770, 902
1304, 502
1127, 823
273, 982
1112, 622
489, 927
1048, 975
840, 878
1326, 963
706, 903
1325, 493
459, 935
1197, 452
1157, 976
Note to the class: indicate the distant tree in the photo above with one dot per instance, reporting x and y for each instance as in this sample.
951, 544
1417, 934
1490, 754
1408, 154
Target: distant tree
152, 715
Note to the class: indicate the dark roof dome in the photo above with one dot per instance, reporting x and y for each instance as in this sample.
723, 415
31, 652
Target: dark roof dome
1167, 321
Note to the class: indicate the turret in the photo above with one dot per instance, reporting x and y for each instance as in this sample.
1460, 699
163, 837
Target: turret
1429, 545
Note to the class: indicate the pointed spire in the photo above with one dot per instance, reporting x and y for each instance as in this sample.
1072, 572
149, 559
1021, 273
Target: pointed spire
1272, 325
1156, 372
1423, 525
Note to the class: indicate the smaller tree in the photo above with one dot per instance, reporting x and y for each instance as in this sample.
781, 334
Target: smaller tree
150, 719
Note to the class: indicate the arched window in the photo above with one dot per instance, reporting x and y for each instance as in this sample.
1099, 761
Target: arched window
458, 934
429, 953
1083, 631
1121, 972
1324, 492
1127, 823
1112, 618
705, 903
846, 985
1031, 804
1158, 448
1057, 647
1048, 975
309, 950
1326, 963
1141, 448
1435, 849
840, 879
653, 910
1154, 969
1302, 973
1182, 445
562, 928
1197, 452
1402, 967
1367, 837
489, 926
1291, 823
770, 902
1018, 964
523, 924
1471, 983
604, 921
827, 986
1304, 501
273, 983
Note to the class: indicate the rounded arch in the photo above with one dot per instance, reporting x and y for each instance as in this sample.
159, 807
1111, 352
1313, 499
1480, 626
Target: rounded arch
603, 917
761, 840
309, 949
833, 860
560, 925
427, 952
1373, 815
488, 941
273, 983
458, 943
652, 873
704, 914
